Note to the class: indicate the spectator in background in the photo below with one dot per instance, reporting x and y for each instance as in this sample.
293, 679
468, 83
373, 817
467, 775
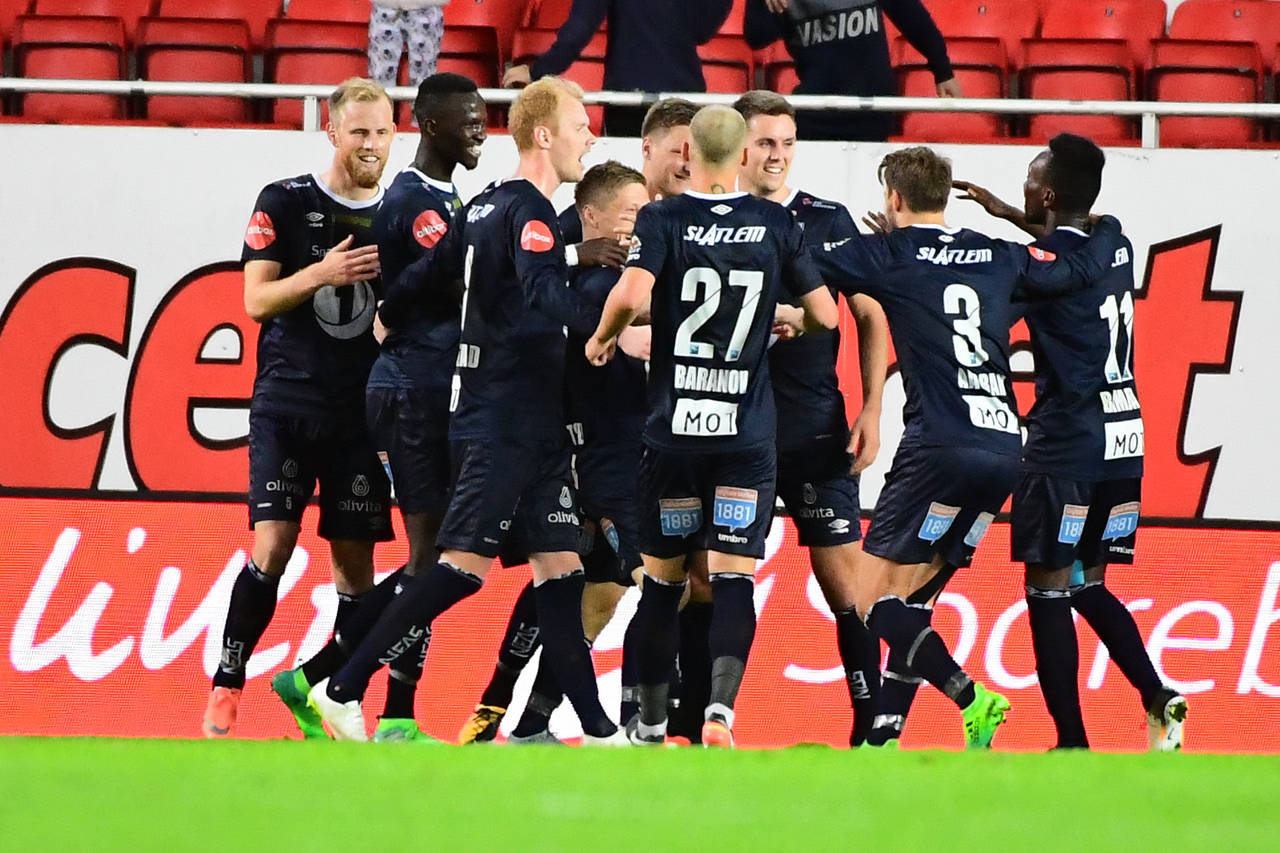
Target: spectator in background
653, 47
839, 48
393, 24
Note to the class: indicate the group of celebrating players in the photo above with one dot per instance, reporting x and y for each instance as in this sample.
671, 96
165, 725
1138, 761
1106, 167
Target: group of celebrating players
619, 395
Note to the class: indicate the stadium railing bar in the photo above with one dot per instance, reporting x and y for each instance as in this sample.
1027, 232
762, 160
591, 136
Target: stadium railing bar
1150, 112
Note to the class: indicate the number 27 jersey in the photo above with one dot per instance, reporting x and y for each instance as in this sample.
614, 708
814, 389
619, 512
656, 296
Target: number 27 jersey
721, 263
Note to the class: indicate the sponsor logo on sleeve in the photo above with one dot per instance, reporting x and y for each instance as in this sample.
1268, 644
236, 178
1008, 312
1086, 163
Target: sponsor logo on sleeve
937, 521
536, 237
1041, 254
680, 516
261, 232
428, 228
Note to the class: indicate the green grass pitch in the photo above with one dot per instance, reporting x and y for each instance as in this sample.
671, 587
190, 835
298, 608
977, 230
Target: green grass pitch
134, 795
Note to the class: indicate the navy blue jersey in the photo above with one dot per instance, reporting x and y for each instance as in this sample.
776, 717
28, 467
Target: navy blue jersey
516, 309
420, 349
314, 359
570, 225
947, 293
722, 263
1086, 423
805, 387
609, 401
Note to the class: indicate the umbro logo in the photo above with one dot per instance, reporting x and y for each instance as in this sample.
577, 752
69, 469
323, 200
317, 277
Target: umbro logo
315, 217
721, 209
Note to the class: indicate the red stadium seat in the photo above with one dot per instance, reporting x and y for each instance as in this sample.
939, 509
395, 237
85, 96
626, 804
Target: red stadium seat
187, 49
351, 11
979, 64
503, 15
1136, 21
1011, 21
780, 76
1187, 70
587, 72
128, 11
1079, 69
326, 64
732, 25
78, 48
317, 34
548, 14
728, 65
1227, 20
9, 11
255, 13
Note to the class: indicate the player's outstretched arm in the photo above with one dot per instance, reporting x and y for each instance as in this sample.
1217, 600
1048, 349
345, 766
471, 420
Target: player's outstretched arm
873, 364
267, 296
820, 310
1042, 273
996, 207
628, 297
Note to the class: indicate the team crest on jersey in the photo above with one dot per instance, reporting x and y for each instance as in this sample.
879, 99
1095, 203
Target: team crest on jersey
428, 228
937, 521
566, 498
1072, 525
1041, 254
979, 529
734, 508
536, 237
1122, 522
360, 486
679, 516
261, 232
344, 312
809, 494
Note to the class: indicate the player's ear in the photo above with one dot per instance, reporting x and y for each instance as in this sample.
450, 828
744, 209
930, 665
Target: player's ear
542, 136
646, 148
1049, 197
684, 151
331, 131
743, 161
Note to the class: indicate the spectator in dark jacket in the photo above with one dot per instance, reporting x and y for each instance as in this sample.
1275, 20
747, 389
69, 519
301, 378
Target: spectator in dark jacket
839, 48
652, 47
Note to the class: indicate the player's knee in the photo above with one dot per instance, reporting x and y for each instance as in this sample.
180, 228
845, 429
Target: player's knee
352, 566
1042, 577
273, 544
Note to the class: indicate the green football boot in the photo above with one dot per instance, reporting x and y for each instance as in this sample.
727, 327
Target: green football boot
983, 716
292, 688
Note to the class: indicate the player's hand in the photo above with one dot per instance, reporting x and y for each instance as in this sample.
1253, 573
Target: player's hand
876, 222
599, 352
788, 321
950, 89
991, 204
602, 252
517, 77
777, 7
636, 341
864, 440
344, 265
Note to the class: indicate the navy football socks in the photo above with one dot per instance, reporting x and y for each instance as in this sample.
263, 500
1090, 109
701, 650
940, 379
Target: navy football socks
253, 603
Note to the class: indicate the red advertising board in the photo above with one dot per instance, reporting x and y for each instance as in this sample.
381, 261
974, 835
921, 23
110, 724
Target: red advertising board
106, 609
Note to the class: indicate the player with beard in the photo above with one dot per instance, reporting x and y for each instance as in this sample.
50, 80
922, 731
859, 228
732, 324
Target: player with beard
715, 262
666, 173
408, 390
512, 492
310, 269
819, 456
1076, 506
947, 295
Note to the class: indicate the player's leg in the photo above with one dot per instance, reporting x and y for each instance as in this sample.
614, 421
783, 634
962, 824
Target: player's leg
281, 481
690, 689
425, 33
386, 43
653, 631
834, 568
519, 642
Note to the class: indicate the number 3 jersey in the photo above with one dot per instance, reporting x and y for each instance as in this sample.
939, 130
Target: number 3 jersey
946, 293
1086, 423
314, 359
722, 263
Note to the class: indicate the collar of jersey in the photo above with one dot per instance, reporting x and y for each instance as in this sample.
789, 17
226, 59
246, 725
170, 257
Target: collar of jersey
443, 186
1072, 229
346, 202
791, 196
715, 196
932, 227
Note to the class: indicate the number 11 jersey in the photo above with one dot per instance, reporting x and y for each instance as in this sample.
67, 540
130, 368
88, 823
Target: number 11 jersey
721, 262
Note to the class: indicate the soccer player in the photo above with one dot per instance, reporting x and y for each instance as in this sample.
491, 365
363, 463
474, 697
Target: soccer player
1075, 509
407, 395
511, 486
716, 262
310, 266
666, 173
817, 479
946, 293
606, 409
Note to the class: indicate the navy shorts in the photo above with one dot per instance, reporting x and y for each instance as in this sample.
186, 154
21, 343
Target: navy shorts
1057, 521
288, 455
410, 429
821, 495
708, 501
939, 501
511, 497
608, 494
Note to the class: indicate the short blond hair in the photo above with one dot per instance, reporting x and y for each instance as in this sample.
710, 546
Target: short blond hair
718, 134
539, 105
354, 90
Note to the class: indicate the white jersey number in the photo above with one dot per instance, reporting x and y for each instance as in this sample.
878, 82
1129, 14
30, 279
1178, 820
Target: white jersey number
1117, 313
962, 300
752, 281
